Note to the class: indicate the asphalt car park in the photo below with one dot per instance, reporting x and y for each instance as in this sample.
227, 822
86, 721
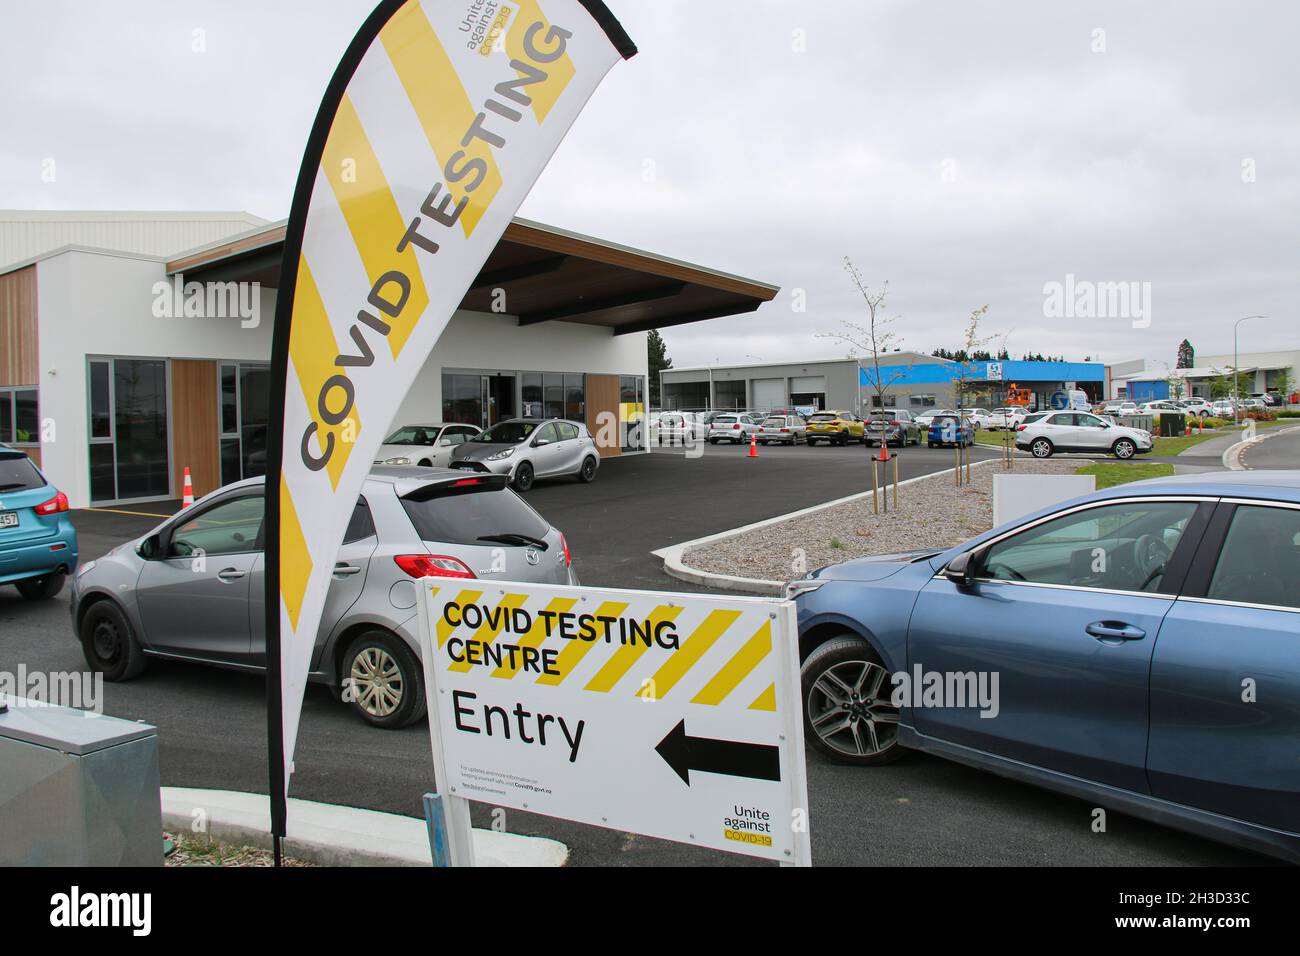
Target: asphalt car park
921, 810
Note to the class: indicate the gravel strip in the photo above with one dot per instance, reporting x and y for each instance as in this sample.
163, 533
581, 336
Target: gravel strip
201, 851
931, 512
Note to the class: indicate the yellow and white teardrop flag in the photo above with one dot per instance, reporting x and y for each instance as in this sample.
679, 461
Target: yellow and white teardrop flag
433, 129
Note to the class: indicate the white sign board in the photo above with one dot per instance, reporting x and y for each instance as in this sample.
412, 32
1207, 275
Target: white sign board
1017, 495
670, 715
994, 372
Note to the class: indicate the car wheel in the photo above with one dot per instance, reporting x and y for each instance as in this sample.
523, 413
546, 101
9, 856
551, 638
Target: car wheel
109, 643
425, 463
42, 588
1041, 447
385, 683
847, 712
1124, 449
588, 470
523, 477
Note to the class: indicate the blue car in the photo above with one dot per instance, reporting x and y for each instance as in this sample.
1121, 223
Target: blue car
1138, 648
38, 545
950, 430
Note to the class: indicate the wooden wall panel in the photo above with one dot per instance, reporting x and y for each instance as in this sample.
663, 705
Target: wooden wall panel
602, 396
18, 359
34, 454
195, 429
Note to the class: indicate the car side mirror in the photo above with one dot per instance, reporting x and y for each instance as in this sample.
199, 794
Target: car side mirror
960, 570
150, 548
538, 443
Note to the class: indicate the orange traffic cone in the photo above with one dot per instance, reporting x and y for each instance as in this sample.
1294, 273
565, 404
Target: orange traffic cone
753, 444
187, 496
884, 451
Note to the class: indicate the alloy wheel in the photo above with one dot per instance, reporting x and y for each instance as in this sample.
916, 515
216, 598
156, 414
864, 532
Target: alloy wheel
848, 712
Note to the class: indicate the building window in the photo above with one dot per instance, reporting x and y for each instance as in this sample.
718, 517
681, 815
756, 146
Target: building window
20, 420
631, 411
128, 432
245, 401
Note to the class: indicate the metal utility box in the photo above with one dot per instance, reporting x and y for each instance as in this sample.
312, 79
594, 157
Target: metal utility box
77, 788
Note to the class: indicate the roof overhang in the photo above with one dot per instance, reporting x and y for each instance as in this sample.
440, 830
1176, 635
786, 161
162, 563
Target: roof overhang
547, 275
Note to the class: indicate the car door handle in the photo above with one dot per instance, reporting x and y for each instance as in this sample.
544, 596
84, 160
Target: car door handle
1115, 631
230, 574
344, 569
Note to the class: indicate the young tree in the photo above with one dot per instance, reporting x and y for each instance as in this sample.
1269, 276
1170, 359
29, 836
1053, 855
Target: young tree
868, 341
658, 362
974, 350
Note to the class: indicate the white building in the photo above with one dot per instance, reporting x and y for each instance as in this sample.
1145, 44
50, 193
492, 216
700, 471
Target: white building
115, 390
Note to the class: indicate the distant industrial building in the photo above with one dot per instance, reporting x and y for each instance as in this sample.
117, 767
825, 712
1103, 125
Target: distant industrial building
912, 381
1276, 372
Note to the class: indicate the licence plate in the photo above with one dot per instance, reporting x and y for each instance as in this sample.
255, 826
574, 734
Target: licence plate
8, 519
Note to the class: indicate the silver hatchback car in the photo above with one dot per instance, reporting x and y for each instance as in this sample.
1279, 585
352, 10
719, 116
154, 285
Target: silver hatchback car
192, 589
525, 449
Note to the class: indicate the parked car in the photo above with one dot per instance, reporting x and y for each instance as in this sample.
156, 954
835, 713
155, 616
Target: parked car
1197, 406
732, 427
947, 430
925, 418
679, 428
192, 589
835, 428
525, 449
38, 545
895, 425
1045, 433
426, 446
1119, 681
1162, 405
1224, 408
782, 430
978, 417
1001, 419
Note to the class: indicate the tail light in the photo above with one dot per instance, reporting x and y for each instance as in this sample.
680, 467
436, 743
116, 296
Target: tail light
433, 566
564, 546
737, 425
56, 505
1021, 428
785, 431
893, 424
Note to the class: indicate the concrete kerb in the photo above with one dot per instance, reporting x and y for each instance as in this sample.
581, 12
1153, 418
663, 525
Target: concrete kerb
675, 565
330, 835
1232, 455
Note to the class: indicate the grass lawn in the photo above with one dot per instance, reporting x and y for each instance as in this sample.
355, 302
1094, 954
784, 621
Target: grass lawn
1113, 473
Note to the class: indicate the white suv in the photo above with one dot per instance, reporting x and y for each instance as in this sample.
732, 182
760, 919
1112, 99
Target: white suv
1045, 433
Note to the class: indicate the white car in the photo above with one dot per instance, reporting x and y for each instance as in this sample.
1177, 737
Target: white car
979, 417
1005, 418
1197, 406
427, 446
736, 428
925, 418
679, 428
1045, 433
782, 430
1158, 406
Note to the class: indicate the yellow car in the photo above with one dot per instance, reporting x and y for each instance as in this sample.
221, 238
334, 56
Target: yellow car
834, 428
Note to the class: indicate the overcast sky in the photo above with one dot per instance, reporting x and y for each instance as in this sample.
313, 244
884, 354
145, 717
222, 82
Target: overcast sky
969, 153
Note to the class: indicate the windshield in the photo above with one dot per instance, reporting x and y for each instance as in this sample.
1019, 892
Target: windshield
17, 473
774, 423
944, 420
724, 420
506, 433
827, 417
412, 435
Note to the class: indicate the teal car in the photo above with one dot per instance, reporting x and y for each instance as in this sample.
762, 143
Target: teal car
38, 545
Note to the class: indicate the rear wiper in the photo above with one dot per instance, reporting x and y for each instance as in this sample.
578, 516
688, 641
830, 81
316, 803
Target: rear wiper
514, 537
12, 485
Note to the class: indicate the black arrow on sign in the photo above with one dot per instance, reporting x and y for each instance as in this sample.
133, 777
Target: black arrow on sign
703, 754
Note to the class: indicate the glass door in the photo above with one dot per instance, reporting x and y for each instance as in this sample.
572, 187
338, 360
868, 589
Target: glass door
129, 451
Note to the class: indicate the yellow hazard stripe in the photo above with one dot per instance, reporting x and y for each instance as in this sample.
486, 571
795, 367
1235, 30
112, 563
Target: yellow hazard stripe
547, 92
765, 700
572, 655
443, 628
312, 349
374, 220
627, 655
535, 636
436, 93
689, 654
295, 560
738, 668
487, 633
